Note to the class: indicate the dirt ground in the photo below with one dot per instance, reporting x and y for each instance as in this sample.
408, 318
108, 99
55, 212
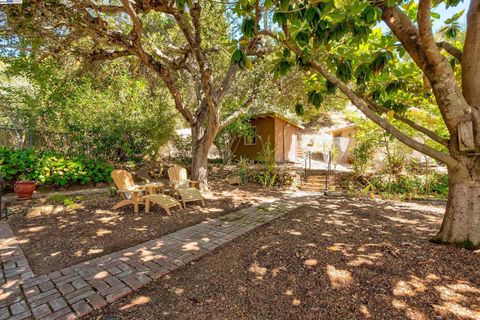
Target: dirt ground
54, 235
334, 258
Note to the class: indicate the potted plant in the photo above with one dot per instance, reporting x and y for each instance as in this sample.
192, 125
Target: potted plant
24, 187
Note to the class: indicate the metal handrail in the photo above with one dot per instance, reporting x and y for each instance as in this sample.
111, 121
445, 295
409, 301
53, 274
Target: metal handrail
327, 172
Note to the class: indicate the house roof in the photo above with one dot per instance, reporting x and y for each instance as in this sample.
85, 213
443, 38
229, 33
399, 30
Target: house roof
350, 126
274, 115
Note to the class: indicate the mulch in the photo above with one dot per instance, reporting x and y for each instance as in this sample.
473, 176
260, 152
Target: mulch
53, 235
339, 258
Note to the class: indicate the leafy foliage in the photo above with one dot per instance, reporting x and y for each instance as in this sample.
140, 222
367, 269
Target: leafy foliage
78, 113
432, 185
47, 167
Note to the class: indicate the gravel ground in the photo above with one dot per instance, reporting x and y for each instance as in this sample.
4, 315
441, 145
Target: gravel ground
334, 258
54, 236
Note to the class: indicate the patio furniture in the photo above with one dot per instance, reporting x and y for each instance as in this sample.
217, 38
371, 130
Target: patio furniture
141, 194
163, 201
183, 187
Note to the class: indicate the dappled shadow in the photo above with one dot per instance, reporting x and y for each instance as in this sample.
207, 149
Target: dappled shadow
54, 235
335, 258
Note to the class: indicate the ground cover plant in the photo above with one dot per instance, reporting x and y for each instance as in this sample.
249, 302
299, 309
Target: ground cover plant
51, 168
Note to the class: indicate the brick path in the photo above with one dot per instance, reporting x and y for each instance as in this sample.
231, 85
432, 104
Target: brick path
76, 291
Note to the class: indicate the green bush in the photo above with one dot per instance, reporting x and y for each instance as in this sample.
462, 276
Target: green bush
267, 177
429, 185
47, 167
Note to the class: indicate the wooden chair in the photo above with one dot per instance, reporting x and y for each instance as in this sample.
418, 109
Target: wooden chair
183, 187
134, 194
131, 192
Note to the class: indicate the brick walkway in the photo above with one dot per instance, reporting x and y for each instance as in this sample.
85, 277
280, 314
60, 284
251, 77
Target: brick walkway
76, 291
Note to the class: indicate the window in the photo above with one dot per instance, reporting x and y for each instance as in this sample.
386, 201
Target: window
251, 139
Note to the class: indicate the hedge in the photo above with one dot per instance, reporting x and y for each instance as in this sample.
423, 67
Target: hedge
51, 168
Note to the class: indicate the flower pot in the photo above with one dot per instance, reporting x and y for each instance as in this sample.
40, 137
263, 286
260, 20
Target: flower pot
24, 189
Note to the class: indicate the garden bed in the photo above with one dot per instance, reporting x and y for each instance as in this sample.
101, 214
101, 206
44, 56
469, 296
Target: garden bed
62, 231
342, 258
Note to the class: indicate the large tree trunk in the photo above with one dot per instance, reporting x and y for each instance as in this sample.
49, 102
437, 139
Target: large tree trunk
461, 222
200, 164
202, 140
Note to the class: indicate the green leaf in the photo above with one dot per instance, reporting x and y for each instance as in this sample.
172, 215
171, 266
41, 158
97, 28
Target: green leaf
330, 87
455, 17
284, 5
315, 98
248, 27
344, 70
299, 110
362, 73
302, 38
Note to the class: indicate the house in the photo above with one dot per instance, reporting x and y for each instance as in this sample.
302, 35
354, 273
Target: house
279, 131
344, 142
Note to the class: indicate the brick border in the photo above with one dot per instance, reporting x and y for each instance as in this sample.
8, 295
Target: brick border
76, 291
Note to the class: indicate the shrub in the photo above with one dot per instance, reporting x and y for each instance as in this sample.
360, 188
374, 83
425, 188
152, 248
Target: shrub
362, 157
427, 185
242, 169
47, 167
267, 177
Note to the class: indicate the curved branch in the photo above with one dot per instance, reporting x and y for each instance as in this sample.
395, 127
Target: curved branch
101, 54
243, 110
387, 126
425, 31
432, 135
403, 28
227, 81
362, 105
137, 23
453, 51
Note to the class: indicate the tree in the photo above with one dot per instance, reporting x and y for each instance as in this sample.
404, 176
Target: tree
180, 41
63, 107
337, 40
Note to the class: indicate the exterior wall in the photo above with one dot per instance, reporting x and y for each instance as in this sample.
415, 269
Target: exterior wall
265, 131
346, 136
318, 143
273, 130
286, 141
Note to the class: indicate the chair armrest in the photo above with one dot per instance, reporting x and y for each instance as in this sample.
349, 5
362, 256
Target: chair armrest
130, 190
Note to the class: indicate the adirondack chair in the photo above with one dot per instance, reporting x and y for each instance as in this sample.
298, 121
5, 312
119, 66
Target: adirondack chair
184, 188
131, 192
135, 194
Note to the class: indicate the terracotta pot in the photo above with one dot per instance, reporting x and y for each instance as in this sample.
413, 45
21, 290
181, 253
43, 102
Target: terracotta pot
24, 189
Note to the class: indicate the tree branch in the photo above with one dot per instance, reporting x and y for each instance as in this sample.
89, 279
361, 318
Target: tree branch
362, 105
405, 31
227, 81
453, 51
432, 135
425, 31
101, 54
137, 24
243, 110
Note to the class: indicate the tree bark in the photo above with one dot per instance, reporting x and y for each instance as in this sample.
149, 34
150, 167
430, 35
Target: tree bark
461, 222
200, 147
